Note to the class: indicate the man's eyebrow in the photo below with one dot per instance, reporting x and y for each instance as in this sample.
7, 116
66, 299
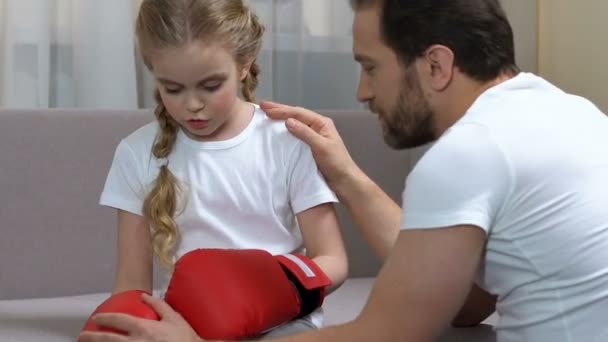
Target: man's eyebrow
213, 77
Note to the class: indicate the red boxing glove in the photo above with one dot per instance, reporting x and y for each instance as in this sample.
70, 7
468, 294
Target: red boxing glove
241, 293
127, 302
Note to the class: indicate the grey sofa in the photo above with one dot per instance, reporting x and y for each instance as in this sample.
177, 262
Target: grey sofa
57, 245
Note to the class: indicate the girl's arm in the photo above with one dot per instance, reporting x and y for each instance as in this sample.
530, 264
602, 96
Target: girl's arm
134, 256
323, 242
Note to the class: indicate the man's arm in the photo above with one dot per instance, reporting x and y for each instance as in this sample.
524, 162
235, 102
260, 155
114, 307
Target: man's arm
478, 306
374, 213
421, 287
378, 212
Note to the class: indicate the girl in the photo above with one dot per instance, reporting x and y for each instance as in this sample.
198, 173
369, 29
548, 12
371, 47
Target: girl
213, 171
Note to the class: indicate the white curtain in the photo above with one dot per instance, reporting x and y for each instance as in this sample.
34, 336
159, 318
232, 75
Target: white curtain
80, 53
307, 58
67, 53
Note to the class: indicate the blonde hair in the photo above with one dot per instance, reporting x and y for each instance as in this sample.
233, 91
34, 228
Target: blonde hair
173, 23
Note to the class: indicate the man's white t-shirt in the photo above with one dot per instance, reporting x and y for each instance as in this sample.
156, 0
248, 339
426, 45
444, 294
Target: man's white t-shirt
528, 164
243, 192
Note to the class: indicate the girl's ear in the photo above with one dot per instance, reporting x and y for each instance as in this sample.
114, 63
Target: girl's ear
244, 71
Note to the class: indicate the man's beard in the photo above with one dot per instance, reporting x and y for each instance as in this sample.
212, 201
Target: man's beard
409, 123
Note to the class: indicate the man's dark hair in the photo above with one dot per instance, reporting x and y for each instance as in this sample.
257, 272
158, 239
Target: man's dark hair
477, 31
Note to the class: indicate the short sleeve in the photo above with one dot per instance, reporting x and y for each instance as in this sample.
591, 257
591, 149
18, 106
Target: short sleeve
463, 179
124, 187
307, 187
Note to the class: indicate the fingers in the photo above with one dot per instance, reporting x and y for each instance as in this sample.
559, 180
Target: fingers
118, 321
307, 125
269, 104
278, 113
283, 112
160, 306
304, 133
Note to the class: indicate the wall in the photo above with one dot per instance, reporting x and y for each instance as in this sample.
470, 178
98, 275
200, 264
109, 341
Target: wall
573, 47
523, 17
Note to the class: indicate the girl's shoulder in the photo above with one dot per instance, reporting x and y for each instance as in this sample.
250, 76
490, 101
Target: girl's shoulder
142, 138
276, 130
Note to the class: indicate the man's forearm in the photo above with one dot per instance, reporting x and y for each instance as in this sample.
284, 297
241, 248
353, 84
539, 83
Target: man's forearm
375, 214
478, 306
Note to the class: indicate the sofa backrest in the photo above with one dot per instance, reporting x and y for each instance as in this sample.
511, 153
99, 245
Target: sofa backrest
56, 240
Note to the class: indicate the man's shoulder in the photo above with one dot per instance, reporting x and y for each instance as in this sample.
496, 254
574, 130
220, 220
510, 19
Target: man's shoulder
463, 148
463, 138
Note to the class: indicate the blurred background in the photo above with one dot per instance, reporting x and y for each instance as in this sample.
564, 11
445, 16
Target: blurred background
80, 53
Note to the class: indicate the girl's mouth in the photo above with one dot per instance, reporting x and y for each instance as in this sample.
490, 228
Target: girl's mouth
198, 124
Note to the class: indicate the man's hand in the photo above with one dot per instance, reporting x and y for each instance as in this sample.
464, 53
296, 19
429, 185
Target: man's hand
375, 214
321, 135
172, 326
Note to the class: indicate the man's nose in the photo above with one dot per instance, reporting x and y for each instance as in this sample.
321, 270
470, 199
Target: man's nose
364, 91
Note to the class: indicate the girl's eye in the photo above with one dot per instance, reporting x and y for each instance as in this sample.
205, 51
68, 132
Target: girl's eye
212, 86
172, 90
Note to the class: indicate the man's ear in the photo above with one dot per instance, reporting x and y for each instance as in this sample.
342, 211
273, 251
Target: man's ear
244, 71
439, 65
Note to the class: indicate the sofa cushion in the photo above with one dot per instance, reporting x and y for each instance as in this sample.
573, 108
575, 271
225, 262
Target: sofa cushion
52, 226
60, 319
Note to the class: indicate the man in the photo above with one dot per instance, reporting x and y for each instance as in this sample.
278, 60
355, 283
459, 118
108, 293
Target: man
512, 196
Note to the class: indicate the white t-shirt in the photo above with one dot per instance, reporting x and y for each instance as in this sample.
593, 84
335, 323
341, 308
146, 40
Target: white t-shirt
528, 164
242, 192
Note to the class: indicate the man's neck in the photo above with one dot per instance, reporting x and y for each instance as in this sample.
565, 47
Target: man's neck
465, 91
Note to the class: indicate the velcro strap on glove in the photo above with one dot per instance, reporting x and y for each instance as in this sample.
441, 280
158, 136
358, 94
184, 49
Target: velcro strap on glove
308, 278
